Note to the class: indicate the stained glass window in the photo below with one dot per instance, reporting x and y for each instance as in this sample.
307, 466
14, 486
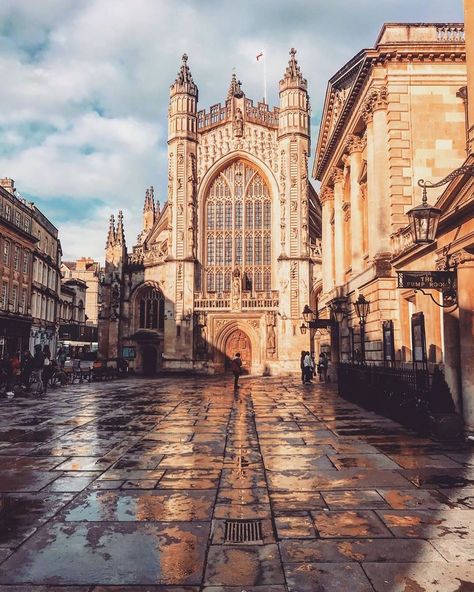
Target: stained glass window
238, 230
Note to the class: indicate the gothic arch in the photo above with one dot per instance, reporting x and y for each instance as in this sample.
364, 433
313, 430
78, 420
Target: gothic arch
148, 307
213, 173
226, 331
250, 245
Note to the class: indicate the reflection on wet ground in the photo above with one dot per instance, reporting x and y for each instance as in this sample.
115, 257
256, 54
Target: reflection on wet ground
128, 486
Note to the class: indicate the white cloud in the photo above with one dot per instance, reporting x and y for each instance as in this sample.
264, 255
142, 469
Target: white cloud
85, 84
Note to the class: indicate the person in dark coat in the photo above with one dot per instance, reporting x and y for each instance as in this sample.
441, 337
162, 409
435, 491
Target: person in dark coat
26, 368
236, 366
38, 366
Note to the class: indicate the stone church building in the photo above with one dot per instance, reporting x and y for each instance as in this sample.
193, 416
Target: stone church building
232, 258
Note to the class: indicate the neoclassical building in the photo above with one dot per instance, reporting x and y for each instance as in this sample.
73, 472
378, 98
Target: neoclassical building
230, 260
393, 114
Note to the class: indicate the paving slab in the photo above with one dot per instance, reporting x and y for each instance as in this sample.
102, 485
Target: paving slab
359, 550
326, 577
420, 577
110, 553
130, 486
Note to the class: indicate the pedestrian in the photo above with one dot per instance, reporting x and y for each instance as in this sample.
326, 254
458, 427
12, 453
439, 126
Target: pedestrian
323, 364
236, 367
61, 357
37, 374
26, 368
7, 374
47, 368
308, 367
303, 376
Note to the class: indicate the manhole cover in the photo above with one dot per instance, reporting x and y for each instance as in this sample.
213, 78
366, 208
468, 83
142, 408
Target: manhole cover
239, 532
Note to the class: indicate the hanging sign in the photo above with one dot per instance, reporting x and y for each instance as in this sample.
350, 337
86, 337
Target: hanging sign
320, 324
427, 280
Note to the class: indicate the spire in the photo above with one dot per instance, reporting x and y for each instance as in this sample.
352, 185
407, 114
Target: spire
120, 234
293, 77
184, 81
235, 88
149, 204
111, 236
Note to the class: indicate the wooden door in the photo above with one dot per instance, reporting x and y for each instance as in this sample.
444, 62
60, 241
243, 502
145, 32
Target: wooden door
238, 341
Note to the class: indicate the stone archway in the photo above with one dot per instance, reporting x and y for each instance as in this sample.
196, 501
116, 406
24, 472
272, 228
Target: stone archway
238, 341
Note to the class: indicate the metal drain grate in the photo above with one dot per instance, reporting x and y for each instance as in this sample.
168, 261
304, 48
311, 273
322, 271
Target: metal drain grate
240, 532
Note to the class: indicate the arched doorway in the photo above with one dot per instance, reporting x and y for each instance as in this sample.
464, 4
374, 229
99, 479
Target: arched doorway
149, 360
238, 341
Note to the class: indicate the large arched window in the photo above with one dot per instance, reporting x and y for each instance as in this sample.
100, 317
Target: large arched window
237, 222
150, 308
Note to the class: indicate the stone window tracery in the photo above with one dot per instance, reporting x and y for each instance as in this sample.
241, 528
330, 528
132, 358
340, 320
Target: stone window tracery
238, 230
150, 308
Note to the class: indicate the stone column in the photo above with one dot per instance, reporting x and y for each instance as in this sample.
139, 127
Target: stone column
452, 360
469, 35
339, 271
465, 273
375, 116
327, 202
355, 147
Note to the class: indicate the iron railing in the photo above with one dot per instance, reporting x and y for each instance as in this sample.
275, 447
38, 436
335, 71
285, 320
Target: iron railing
401, 392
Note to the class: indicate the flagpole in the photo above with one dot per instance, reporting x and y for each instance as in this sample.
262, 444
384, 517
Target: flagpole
264, 76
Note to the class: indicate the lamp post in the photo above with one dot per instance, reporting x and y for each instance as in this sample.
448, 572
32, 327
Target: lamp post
424, 218
308, 317
362, 308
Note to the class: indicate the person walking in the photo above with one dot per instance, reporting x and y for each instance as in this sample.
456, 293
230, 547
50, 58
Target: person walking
236, 367
26, 368
7, 371
323, 367
308, 367
303, 376
38, 366
47, 368
61, 357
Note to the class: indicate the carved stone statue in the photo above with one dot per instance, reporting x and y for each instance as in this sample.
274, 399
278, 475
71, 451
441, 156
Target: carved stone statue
271, 338
238, 124
236, 289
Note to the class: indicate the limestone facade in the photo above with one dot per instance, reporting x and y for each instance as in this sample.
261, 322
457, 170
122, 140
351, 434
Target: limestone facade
392, 115
229, 261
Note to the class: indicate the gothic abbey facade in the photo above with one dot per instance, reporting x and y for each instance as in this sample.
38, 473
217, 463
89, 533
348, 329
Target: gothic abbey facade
233, 256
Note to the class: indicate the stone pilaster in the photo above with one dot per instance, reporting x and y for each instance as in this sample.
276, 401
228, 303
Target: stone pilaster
375, 115
355, 147
469, 36
338, 179
327, 203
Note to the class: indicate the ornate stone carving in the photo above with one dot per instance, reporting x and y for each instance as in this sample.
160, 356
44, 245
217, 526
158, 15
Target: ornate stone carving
270, 319
355, 143
327, 194
376, 99
337, 175
236, 290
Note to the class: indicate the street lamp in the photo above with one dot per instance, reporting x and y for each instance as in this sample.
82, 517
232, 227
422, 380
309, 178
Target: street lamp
337, 310
424, 220
362, 307
303, 328
307, 313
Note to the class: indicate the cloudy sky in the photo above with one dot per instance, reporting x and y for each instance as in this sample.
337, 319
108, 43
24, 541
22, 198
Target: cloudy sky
85, 86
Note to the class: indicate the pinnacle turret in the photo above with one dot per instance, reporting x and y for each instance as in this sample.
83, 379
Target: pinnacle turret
235, 88
120, 234
184, 82
111, 236
149, 204
293, 77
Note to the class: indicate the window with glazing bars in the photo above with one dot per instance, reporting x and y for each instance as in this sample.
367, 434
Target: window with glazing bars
238, 229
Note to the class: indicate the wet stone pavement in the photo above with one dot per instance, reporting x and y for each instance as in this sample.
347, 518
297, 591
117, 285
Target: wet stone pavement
130, 486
